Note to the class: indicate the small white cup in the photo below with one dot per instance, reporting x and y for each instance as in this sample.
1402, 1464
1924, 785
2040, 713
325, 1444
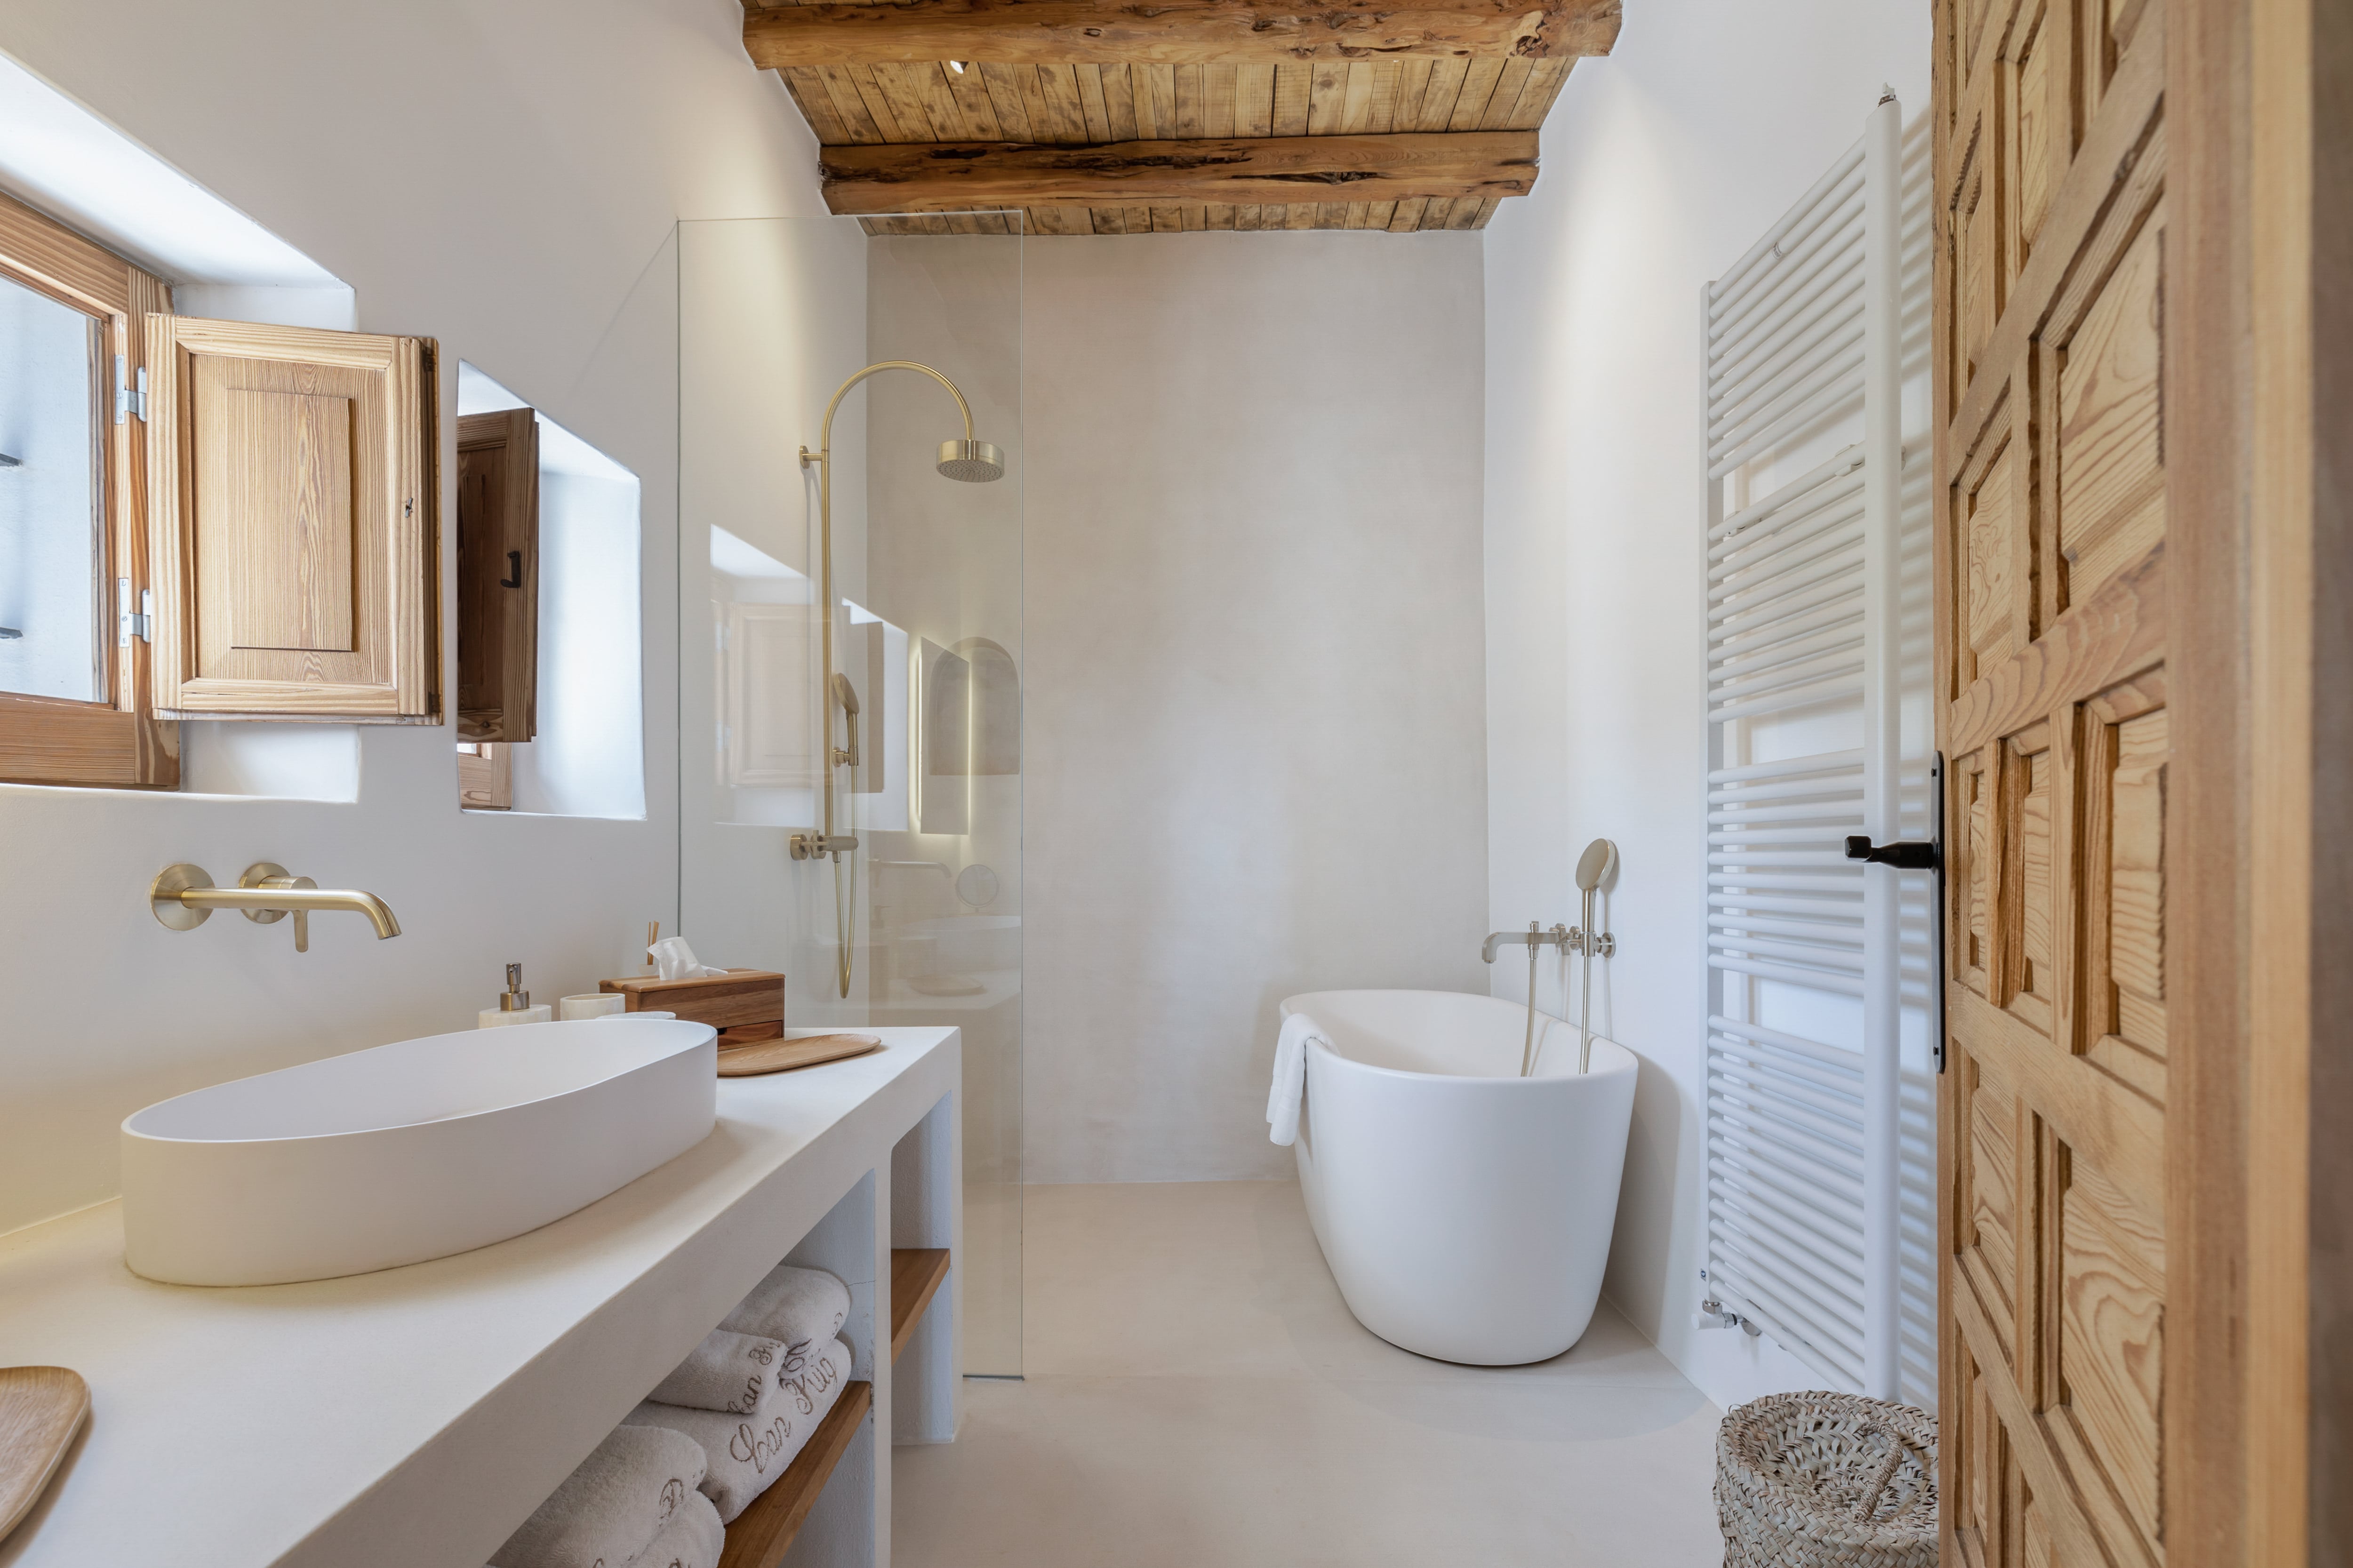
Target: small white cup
592, 1005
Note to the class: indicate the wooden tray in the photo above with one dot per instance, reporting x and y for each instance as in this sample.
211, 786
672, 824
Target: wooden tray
41, 1408
784, 1055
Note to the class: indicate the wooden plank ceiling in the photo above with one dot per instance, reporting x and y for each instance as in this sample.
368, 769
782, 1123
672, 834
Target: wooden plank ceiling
1059, 141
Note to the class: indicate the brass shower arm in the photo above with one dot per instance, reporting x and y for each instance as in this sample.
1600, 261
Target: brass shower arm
824, 452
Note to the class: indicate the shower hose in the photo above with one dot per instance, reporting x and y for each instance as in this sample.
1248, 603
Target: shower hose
845, 897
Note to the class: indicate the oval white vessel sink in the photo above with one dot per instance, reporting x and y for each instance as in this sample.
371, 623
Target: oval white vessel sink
409, 1151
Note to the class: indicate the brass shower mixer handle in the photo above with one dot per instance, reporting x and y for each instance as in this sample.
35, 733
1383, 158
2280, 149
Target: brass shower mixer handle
817, 846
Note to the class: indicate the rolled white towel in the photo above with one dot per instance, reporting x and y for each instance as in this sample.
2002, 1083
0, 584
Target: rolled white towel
728, 1372
693, 1538
813, 1380
609, 1509
748, 1453
1289, 1086
802, 1307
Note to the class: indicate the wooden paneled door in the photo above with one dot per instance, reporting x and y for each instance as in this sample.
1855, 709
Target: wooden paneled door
2102, 709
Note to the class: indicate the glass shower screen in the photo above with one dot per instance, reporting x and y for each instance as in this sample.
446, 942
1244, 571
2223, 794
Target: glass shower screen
921, 923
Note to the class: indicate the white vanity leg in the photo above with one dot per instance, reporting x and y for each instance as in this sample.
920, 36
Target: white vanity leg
927, 1210
849, 1526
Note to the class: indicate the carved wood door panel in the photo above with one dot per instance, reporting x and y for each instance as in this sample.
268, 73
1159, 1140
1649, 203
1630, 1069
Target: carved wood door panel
2051, 319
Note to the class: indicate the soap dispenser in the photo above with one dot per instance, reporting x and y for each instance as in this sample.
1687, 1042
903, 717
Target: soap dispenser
514, 1007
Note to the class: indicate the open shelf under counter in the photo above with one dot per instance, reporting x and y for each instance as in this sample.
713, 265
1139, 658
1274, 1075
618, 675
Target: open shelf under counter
916, 1273
762, 1532
419, 1414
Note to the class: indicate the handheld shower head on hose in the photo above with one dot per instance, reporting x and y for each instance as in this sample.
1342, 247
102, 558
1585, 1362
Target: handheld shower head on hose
1597, 865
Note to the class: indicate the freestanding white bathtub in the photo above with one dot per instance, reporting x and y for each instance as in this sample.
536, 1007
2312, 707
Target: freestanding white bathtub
1465, 1210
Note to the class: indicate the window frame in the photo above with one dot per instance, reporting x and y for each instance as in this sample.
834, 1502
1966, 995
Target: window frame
119, 743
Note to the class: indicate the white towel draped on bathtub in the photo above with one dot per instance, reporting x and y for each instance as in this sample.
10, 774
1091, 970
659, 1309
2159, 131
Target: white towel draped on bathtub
1289, 1086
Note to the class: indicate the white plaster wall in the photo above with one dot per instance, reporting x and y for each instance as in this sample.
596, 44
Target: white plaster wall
1662, 165
502, 175
1255, 739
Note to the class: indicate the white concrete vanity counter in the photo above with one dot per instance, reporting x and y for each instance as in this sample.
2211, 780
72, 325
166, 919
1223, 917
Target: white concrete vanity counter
413, 1417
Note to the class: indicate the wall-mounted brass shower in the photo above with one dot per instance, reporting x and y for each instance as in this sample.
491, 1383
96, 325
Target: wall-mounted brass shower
970, 460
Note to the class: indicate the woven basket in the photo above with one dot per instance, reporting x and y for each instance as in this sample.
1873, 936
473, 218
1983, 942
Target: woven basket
1826, 1480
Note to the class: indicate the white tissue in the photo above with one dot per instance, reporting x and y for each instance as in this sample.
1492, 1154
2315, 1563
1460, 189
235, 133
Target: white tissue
673, 959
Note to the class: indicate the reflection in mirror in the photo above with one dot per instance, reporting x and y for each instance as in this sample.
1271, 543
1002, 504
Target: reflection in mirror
498, 575
550, 655
947, 739
766, 643
972, 726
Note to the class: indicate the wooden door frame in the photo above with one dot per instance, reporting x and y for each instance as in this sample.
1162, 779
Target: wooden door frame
2294, 127
2211, 887
2259, 336
2318, 1086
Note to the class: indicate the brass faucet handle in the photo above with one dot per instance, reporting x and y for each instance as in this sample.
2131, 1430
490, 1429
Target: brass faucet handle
817, 845
268, 874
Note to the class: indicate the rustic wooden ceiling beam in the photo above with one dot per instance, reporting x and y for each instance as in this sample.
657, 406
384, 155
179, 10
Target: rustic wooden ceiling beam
970, 176
1173, 32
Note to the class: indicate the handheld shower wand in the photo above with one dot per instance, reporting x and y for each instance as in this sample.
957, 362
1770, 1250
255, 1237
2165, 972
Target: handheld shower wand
1595, 867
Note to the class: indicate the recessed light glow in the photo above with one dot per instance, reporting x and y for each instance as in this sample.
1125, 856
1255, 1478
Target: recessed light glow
956, 65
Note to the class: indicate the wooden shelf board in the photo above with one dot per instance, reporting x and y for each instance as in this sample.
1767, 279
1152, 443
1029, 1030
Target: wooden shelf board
762, 1532
915, 1275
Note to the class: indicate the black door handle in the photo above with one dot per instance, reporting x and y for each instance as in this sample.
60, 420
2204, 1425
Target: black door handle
514, 566
1906, 855
1914, 854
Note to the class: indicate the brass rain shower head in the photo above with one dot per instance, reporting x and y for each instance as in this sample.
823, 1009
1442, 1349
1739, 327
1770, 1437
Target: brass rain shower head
974, 462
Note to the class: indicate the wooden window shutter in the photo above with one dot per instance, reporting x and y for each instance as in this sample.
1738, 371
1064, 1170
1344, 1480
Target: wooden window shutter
498, 575
292, 521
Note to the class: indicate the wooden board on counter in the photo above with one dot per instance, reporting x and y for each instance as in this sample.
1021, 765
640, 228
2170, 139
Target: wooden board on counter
41, 1409
784, 1055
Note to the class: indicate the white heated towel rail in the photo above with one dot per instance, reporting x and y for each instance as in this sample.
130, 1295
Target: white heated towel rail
1804, 591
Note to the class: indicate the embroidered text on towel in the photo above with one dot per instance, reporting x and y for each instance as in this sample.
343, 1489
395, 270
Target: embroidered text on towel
756, 1448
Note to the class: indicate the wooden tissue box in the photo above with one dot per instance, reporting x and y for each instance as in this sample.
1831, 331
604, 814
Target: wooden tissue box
743, 1005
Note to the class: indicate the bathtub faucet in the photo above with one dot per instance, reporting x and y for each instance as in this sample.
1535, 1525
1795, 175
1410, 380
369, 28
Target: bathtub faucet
1534, 936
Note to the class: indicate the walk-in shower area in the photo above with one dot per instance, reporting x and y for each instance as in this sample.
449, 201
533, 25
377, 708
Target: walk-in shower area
849, 625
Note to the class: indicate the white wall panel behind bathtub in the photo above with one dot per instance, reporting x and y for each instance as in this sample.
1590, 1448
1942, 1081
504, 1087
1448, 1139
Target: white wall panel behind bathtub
1662, 163
1255, 722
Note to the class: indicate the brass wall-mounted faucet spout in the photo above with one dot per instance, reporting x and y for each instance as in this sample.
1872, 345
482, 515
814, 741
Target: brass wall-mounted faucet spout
184, 898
